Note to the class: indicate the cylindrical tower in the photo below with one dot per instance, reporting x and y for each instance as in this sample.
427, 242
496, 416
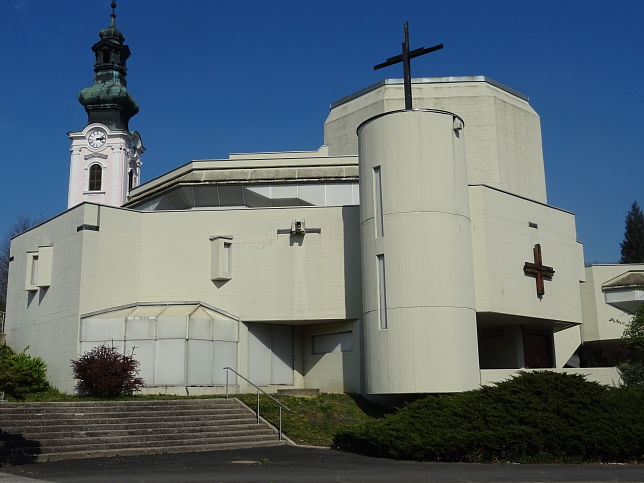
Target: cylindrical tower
417, 268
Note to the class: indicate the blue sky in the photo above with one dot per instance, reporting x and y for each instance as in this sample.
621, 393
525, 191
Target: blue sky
218, 77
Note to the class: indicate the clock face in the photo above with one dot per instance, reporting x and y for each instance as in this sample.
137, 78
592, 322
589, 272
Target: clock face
96, 138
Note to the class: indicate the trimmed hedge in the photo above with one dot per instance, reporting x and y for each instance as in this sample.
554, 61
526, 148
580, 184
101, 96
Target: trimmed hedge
535, 417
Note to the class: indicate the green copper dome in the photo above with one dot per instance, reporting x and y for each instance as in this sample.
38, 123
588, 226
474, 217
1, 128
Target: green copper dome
107, 100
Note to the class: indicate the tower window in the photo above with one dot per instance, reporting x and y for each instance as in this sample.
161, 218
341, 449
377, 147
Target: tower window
382, 292
377, 191
106, 56
95, 177
130, 179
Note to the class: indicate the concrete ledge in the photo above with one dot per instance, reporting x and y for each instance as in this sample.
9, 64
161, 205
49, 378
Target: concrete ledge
608, 376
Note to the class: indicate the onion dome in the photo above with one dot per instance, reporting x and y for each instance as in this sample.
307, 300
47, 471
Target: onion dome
107, 100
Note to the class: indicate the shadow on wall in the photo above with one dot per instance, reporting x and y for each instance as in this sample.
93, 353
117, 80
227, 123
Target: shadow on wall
15, 449
353, 288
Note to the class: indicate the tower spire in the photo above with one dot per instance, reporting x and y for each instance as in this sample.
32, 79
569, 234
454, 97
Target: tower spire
113, 16
107, 100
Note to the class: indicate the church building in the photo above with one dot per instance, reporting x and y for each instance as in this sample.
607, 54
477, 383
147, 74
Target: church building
414, 252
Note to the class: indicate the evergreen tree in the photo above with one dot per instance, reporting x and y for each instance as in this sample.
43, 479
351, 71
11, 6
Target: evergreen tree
633, 244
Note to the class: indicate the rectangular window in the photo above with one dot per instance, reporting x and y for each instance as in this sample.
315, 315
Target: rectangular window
34, 270
377, 194
227, 257
382, 292
31, 277
39, 268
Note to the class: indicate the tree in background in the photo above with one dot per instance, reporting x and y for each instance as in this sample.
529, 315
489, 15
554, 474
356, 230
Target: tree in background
21, 223
633, 244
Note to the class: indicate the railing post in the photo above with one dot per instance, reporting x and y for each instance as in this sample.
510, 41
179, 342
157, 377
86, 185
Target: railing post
227, 371
280, 422
258, 406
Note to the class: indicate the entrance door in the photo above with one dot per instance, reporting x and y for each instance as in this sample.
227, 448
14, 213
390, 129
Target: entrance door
270, 354
537, 349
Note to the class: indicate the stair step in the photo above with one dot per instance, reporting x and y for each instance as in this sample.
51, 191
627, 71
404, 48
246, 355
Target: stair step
69, 444
88, 419
160, 402
123, 412
66, 433
116, 425
47, 457
50, 431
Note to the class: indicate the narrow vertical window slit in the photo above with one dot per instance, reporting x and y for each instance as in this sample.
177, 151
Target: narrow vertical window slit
377, 192
382, 292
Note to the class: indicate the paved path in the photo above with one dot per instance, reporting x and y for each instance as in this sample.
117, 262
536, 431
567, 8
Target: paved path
290, 464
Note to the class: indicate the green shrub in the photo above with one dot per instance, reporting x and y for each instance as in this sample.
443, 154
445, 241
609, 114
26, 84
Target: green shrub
21, 374
535, 417
105, 372
632, 370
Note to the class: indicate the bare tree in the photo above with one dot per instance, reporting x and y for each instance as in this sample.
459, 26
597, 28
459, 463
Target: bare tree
20, 224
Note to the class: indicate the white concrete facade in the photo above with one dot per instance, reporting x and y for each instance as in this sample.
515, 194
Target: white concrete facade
391, 260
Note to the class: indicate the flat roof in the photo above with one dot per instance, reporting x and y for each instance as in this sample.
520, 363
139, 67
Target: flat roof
431, 80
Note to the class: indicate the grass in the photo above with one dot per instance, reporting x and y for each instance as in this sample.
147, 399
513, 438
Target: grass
314, 421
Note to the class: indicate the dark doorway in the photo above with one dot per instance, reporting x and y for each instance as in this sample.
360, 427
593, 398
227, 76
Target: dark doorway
537, 347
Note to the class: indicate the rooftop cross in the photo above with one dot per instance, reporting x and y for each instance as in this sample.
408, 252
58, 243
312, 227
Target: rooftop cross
113, 16
404, 58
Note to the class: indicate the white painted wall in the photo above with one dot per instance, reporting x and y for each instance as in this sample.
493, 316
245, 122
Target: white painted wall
503, 241
429, 344
503, 141
46, 320
120, 153
165, 257
597, 314
608, 376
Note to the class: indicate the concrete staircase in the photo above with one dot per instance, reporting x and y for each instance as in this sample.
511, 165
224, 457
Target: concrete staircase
39, 432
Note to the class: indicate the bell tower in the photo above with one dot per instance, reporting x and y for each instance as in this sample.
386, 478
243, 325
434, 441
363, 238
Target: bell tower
106, 156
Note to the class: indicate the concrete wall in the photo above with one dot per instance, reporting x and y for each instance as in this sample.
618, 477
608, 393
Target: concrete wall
428, 341
597, 314
111, 260
608, 376
47, 319
503, 241
503, 142
336, 371
166, 257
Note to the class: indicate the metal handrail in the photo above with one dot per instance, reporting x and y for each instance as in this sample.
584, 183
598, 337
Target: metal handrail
258, 391
2, 315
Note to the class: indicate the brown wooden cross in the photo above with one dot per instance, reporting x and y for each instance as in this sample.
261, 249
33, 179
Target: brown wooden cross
538, 269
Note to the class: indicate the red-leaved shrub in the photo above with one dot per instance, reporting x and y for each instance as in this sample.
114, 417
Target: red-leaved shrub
105, 372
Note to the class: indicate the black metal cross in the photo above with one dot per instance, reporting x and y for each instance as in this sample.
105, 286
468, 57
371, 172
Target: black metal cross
404, 58
538, 269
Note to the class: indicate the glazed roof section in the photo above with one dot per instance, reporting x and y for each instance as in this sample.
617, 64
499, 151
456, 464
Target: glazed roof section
254, 168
